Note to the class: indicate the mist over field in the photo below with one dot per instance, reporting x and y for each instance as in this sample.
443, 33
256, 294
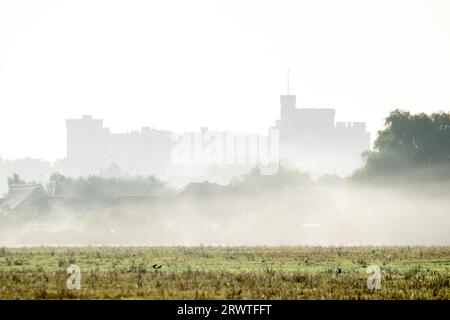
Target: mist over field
399, 197
143, 124
225, 150
346, 214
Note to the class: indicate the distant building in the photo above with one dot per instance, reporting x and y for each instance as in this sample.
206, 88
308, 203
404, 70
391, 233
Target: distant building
311, 140
91, 147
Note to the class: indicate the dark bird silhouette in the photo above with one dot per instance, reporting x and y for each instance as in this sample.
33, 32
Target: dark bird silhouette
155, 266
337, 270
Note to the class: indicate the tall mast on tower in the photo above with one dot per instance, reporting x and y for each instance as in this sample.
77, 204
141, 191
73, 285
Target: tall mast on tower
288, 81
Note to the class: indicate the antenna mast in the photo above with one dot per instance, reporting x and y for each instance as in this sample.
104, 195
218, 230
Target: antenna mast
288, 81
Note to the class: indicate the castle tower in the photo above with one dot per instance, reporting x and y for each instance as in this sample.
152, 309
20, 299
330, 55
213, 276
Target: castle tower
287, 101
84, 138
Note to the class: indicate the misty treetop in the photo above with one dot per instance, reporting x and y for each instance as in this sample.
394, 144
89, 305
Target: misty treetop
283, 178
111, 186
14, 180
108, 186
417, 144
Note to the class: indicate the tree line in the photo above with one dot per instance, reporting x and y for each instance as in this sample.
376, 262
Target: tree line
413, 145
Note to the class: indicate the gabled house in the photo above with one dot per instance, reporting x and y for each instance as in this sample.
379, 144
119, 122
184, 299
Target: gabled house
27, 198
34, 199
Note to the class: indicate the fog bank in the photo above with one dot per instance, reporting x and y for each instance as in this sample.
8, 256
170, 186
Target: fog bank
347, 214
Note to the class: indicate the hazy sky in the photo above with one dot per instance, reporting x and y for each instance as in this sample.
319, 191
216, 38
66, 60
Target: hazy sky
179, 65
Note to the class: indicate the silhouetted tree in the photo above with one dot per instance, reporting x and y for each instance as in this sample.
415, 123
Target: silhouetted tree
283, 178
14, 180
409, 141
115, 186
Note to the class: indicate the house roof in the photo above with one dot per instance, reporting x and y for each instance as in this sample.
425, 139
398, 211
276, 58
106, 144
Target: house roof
19, 196
199, 189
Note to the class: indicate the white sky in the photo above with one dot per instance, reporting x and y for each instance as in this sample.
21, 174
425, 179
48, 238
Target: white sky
179, 65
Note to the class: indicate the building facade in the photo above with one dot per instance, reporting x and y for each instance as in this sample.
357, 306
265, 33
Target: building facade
92, 148
308, 139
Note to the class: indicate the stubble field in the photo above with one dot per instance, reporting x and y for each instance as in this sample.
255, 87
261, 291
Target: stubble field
225, 272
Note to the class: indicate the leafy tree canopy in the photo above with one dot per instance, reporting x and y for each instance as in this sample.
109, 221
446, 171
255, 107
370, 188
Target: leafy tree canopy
112, 186
410, 143
283, 178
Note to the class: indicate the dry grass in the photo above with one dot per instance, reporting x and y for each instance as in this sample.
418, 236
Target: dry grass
225, 272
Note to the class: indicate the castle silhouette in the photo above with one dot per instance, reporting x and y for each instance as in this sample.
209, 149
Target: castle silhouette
309, 139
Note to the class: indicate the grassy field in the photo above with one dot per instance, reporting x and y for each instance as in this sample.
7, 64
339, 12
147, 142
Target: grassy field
225, 272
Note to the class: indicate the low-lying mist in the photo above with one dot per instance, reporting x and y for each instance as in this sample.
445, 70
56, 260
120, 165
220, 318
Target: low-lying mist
342, 214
